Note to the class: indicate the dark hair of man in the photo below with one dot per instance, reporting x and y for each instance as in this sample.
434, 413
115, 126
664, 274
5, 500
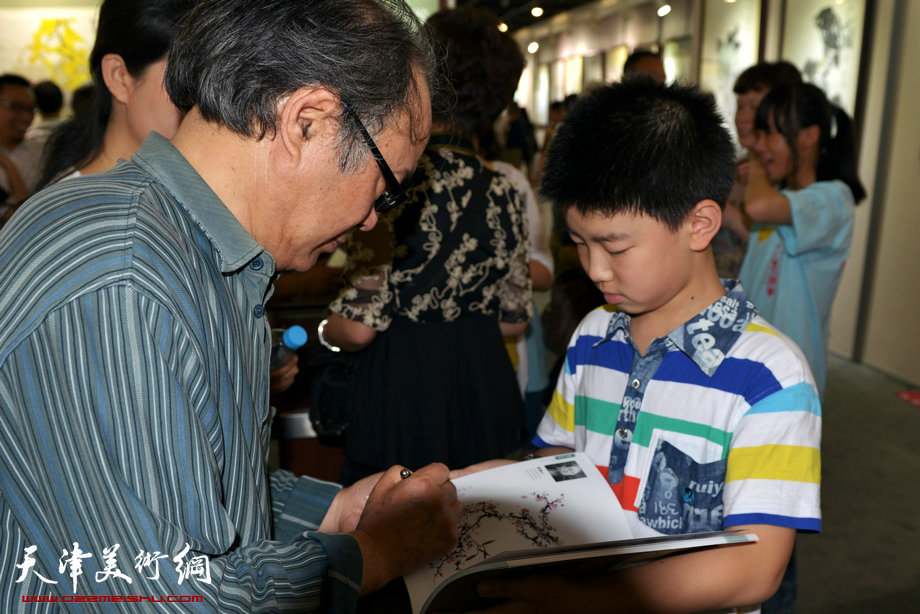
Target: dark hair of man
480, 67
236, 59
11, 79
629, 66
802, 105
140, 31
642, 148
764, 76
48, 97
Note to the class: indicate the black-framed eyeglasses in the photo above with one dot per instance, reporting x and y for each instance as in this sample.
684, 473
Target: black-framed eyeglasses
17, 107
394, 195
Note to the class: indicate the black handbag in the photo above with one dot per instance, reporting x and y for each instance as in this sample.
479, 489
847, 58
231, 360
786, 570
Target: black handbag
330, 391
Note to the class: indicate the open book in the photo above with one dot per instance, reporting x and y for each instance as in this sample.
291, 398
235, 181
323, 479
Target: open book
552, 514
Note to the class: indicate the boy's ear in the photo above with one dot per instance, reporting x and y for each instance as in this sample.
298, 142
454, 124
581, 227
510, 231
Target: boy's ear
705, 221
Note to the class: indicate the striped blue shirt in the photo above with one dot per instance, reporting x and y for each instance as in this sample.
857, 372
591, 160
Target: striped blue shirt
134, 408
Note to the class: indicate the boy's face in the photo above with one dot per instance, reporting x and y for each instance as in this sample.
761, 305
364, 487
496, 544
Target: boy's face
637, 262
744, 116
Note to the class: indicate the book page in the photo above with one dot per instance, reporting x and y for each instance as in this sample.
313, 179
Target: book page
552, 501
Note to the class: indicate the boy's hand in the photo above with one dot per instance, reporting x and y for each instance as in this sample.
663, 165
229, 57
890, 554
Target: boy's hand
348, 505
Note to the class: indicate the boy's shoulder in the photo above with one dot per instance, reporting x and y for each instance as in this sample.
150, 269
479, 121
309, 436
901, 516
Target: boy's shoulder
759, 348
763, 344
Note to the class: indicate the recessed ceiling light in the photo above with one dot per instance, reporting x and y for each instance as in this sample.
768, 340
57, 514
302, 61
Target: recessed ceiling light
532, 47
536, 11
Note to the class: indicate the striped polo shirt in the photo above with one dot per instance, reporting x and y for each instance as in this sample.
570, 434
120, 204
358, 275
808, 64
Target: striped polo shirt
718, 425
134, 415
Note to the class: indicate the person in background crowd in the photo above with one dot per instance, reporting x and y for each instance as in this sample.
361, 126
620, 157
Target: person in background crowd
750, 87
81, 101
644, 63
556, 115
431, 292
18, 158
49, 100
801, 231
129, 100
134, 419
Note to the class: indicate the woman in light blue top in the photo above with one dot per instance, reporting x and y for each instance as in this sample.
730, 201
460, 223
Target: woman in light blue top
801, 232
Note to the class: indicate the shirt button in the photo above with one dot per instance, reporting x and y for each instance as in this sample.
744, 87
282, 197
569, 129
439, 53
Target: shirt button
256, 264
623, 433
635, 384
258, 311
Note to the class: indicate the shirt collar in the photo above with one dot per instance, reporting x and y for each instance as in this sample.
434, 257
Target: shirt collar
235, 246
707, 337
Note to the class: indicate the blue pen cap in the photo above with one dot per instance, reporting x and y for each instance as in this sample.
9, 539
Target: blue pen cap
294, 337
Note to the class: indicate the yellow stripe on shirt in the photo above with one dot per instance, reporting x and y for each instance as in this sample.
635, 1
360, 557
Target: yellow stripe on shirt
774, 462
562, 412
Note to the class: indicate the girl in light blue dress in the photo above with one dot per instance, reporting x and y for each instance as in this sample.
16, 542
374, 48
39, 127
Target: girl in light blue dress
802, 231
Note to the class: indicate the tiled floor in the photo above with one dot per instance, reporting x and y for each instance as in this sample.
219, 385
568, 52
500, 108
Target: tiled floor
867, 560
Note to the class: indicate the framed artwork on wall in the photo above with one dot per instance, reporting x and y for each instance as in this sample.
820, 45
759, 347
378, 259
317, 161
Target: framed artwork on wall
574, 74
614, 60
730, 40
824, 38
557, 80
594, 69
50, 44
677, 57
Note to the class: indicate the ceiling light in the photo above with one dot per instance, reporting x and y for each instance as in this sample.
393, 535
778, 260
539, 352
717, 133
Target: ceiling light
664, 9
536, 11
503, 27
532, 47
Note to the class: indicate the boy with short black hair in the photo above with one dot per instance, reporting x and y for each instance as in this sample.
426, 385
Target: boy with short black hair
701, 414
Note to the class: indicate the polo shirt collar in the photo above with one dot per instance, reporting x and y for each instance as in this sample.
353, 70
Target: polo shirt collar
707, 337
235, 246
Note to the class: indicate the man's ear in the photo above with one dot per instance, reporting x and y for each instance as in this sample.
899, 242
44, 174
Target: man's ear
705, 221
117, 79
307, 114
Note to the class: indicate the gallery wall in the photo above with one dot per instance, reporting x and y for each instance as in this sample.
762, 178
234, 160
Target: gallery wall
861, 53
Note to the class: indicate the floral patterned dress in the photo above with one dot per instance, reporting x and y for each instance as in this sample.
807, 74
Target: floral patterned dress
435, 278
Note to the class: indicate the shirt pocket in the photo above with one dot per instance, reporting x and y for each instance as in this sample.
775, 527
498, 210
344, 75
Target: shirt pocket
681, 494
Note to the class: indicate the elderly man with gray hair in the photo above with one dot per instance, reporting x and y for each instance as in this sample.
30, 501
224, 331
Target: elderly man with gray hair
134, 415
